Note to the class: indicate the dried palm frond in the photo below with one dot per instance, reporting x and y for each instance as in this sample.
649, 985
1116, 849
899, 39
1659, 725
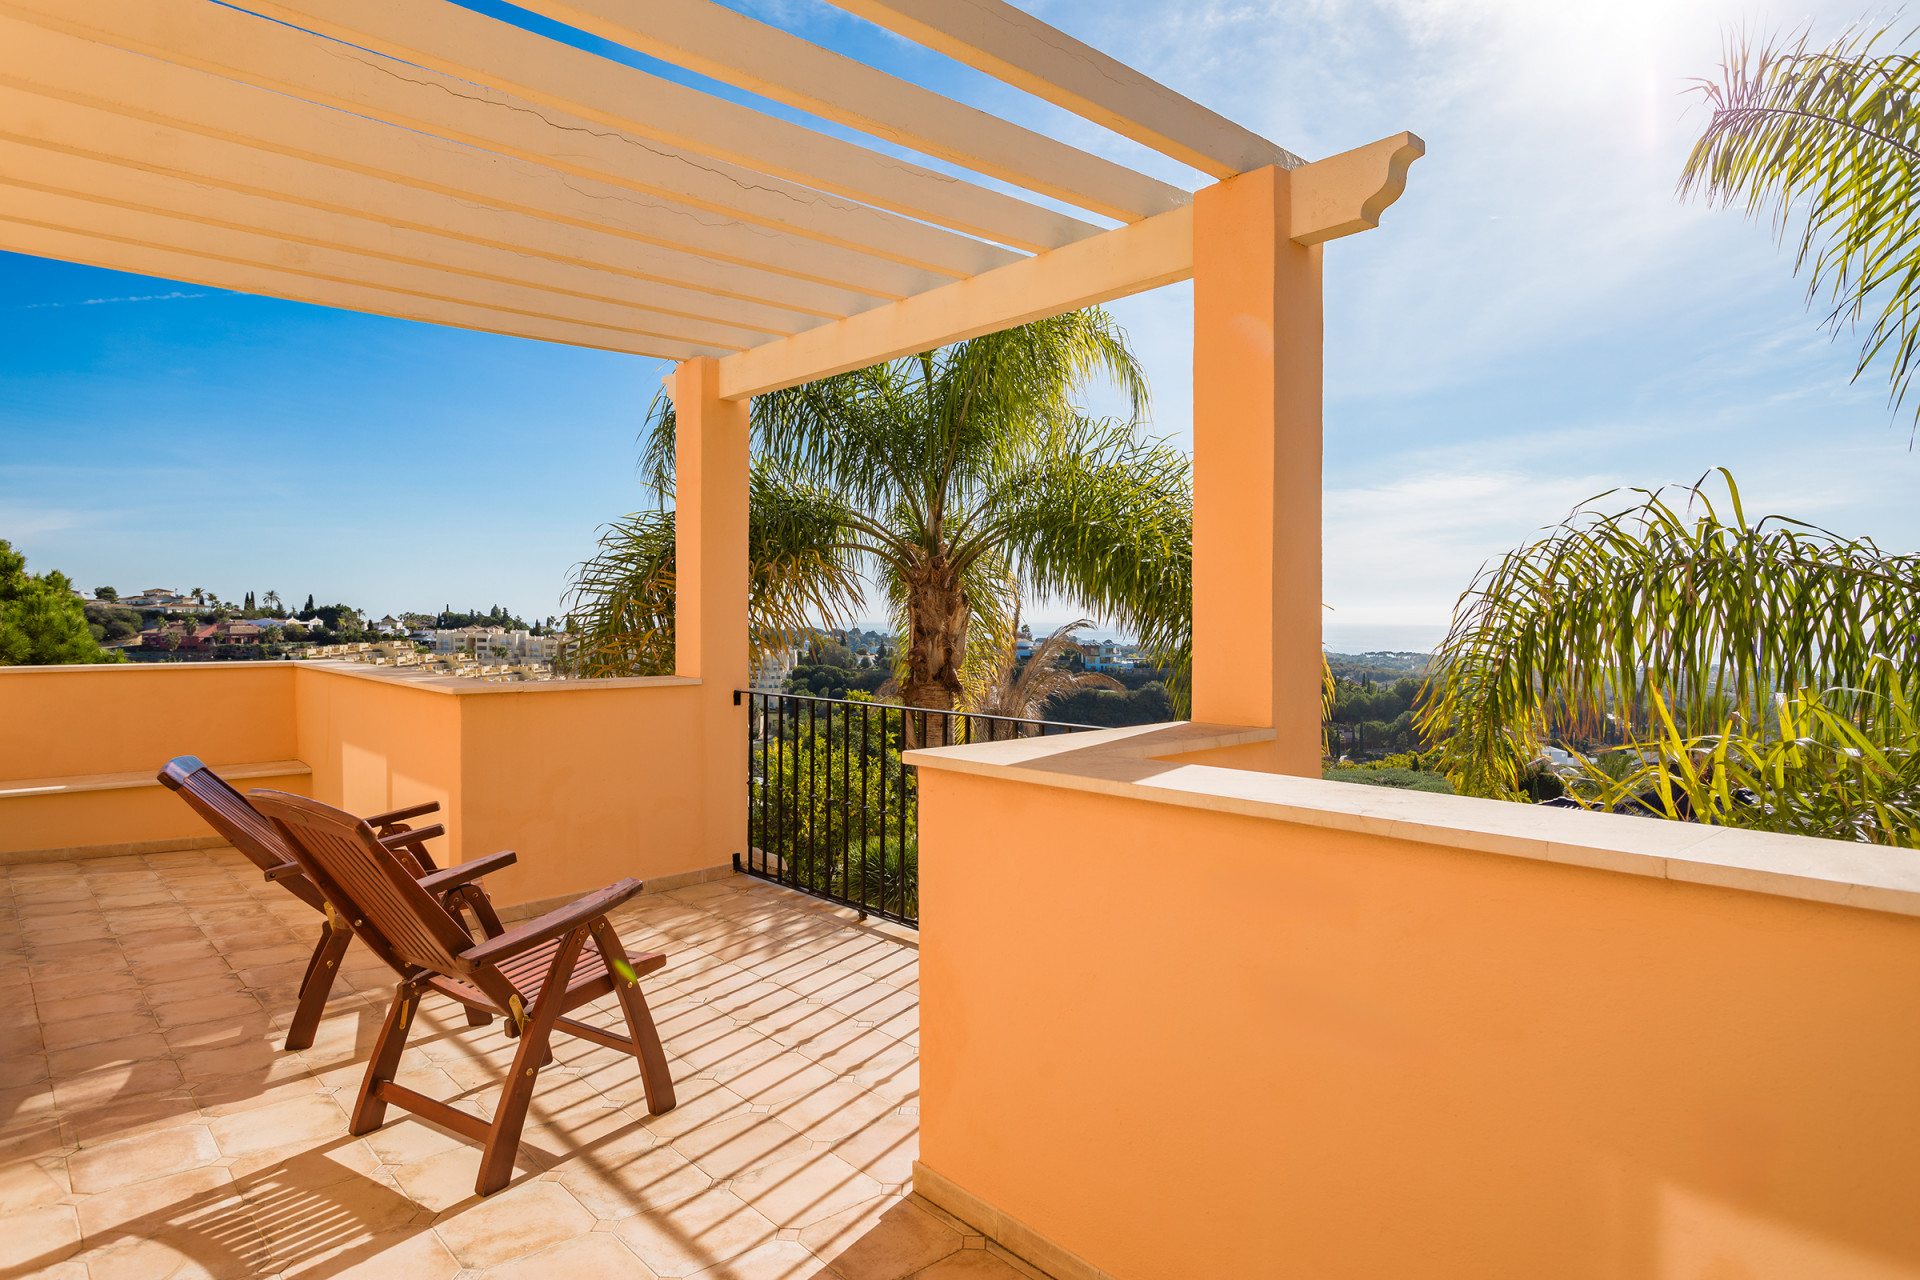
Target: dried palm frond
1027, 695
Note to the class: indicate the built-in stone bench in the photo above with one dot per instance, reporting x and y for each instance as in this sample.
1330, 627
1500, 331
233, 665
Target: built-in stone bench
98, 815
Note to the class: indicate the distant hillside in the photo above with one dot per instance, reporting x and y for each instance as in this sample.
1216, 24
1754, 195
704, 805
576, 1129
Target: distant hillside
1380, 665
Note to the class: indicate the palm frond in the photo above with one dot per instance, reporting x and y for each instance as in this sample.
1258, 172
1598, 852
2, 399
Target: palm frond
1669, 607
1829, 135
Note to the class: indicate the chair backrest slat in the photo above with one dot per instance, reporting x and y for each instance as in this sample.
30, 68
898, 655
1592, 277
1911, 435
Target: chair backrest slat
348, 861
228, 813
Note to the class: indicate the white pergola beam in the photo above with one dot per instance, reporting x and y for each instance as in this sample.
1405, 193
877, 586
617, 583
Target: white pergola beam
734, 49
994, 37
595, 93
142, 190
71, 70
1127, 260
115, 254
738, 294
242, 47
279, 258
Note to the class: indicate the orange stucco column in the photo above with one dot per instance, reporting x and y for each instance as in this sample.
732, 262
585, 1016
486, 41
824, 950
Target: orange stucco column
1256, 482
710, 602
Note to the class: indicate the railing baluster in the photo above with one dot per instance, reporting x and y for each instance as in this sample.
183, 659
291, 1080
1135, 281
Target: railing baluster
791, 781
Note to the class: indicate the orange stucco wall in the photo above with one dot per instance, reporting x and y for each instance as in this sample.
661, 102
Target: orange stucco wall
1184, 1043
586, 784
60, 721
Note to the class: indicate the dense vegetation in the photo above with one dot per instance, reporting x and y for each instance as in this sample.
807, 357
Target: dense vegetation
1756, 673
952, 482
42, 621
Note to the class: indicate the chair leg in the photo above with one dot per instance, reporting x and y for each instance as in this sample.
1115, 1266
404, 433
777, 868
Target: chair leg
317, 985
503, 1143
654, 1076
369, 1112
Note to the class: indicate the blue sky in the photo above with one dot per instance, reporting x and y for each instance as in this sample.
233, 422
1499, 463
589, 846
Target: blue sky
1537, 320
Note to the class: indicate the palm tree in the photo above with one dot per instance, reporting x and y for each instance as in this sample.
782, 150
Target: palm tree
1027, 695
1701, 642
1830, 136
953, 480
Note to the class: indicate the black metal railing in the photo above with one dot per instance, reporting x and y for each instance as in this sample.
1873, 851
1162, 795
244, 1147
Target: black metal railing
831, 809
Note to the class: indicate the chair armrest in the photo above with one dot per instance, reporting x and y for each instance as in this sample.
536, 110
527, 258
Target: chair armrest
441, 881
413, 835
553, 924
401, 815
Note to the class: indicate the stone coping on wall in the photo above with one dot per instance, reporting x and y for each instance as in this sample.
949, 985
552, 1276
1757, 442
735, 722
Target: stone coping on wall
1134, 764
464, 686
73, 784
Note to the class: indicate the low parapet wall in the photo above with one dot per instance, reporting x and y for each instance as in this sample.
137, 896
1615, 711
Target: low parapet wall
1182, 1021
586, 780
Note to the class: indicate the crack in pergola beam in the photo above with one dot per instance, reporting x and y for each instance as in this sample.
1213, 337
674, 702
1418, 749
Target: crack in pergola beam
734, 49
1016, 47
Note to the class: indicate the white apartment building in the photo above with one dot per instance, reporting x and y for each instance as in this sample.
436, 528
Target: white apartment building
497, 642
770, 674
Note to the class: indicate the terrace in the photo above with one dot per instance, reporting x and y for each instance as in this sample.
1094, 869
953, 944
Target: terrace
1189, 1011
155, 1127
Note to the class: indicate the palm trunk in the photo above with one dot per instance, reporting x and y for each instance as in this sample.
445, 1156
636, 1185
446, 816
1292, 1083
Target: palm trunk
938, 612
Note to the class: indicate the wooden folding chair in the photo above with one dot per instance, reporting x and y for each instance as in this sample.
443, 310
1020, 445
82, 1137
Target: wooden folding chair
535, 973
228, 813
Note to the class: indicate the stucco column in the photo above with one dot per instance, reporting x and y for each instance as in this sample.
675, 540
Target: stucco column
710, 600
1256, 455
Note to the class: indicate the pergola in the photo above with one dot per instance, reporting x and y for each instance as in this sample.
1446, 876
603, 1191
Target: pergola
425, 161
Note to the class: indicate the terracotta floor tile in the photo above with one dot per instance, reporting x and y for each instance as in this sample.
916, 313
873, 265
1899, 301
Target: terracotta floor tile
131, 1209
74, 1032
40, 1237
597, 1254
774, 1260
90, 1006
203, 1066
834, 1111
617, 1184
279, 1124
971, 1264
729, 1147
65, 1064
885, 1150
444, 1181
709, 1228
884, 1239
116, 1083
24, 1184
67, 986
512, 1223
749, 967
94, 1126
151, 1155
803, 1189
412, 1254
235, 1005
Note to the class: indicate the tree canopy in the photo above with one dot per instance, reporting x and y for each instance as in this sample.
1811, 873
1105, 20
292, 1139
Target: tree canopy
42, 622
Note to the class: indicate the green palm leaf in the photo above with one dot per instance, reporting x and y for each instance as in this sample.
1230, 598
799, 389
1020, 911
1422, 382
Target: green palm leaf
1829, 136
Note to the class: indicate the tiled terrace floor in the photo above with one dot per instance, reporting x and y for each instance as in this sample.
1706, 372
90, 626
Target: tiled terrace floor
150, 1125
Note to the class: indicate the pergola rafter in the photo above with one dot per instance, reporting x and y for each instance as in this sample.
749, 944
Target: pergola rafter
416, 158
